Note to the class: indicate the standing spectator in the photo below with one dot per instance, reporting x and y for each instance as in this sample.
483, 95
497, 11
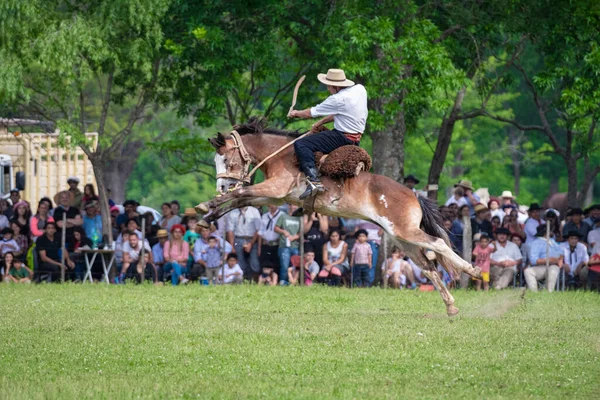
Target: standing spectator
131, 256
22, 240
361, 260
594, 215
480, 224
552, 218
73, 216
15, 271
593, 238
176, 253
507, 199
268, 241
191, 235
76, 195
576, 257
334, 259
316, 229
21, 215
504, 261
175, 208
374, 234
494, 206
80, 240
89, 194
92, 221
6, 211
213, 260
4, 222
576, 223
243, 227
168, 219
457, 228
114, 214
9, 244
49, 248
470, 198
158, 251
38, 222
482, 253
288, 228
457, 198
533, 222
410, 182
537, 256
511, 222
232, 271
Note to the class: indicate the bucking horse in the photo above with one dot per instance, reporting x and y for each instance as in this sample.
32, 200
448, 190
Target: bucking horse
411, 219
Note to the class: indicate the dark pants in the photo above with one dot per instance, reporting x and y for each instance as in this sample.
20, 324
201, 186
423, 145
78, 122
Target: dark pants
149, 272
361, 274
325, 142
50, 272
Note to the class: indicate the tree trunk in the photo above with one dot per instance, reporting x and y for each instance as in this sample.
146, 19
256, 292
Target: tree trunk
443, 144
388, 150
97, 165
516, 160
118, 169
572, 198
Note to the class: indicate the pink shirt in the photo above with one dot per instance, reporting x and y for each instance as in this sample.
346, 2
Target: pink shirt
33, 225
363, 254
178, 254
482, 257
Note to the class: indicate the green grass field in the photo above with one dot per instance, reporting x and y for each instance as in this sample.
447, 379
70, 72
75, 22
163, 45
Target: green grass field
82, 341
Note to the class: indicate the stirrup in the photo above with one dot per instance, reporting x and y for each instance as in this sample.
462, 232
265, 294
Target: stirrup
312, 189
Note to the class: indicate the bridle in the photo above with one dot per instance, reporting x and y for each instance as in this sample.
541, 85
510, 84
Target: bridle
237, 155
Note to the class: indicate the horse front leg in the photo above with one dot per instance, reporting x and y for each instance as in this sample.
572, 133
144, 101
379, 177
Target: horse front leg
237, 203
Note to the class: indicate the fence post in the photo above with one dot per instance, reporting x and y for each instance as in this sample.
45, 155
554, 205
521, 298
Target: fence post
63, 243
141, 260
384, 248
301, 239
467, 249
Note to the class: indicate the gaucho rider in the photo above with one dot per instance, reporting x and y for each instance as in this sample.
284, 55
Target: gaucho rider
347, 108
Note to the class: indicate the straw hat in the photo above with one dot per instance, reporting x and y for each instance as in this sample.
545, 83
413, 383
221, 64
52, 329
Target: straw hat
480, 207
507, 194
57, 197
190, 212
335, 77
466, 184
162, 233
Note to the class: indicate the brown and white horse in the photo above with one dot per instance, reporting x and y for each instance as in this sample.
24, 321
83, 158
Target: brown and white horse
414, 221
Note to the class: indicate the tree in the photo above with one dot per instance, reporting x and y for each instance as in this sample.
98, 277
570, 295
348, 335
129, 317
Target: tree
86, 66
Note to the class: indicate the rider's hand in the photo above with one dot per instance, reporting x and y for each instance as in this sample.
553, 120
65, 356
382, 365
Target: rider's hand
314, 128
293, 114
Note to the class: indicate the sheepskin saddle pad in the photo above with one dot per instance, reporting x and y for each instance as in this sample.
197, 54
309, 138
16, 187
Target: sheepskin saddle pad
344, 162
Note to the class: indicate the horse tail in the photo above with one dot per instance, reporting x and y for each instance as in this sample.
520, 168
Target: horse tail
433, 221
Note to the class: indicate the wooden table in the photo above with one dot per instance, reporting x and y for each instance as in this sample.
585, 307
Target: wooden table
89, 263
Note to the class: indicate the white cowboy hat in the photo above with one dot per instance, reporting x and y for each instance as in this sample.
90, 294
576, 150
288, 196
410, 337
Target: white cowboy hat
335, 77
507, 194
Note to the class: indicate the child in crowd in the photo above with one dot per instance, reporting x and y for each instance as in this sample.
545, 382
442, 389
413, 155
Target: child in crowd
150, 270
15, 271
191, 235
482, 253
361, 259
311, 268
232, 271
213, 260
394, 269
8, 244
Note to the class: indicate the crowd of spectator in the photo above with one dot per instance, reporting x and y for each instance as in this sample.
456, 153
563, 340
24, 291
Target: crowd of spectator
263, 246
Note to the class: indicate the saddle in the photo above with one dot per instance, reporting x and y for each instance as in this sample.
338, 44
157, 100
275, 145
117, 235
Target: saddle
344, 162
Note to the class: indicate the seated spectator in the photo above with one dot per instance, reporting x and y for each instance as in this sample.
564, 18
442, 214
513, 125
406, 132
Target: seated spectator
150, 270
268, 241
158, 253
593, 215
494, 206
394, 269
89, 194
176, 254
21, 216
537, 256
457, 198
15, 271
80, 240
495, 224
191, 235
311, 268
4, 222
335, 263
37, 223
553, 219
504, 261
132, 250
119, 248
168, 219
482, 253
593, 238
361, 260
130, 207
268, 276
213, 260
49, 249
576, 223
92, 221
575, 258
114, 214
231, 271
21, 239
511, 222
288, 228
175, 207
480, 224
132, 225
8, 243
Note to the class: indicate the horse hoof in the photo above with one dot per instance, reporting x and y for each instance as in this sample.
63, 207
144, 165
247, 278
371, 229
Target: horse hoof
452, 311
430, 255
202, 208
477, 272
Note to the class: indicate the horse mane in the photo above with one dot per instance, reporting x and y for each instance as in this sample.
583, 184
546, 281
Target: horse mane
260, 125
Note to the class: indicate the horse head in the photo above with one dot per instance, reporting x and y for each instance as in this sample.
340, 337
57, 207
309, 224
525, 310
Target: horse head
232, 161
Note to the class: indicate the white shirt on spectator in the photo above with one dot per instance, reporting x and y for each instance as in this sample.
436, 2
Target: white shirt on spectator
9, 245
3, 222
531, 229
509, 252
574, 258
594, 240
268, 222
228, 271
459, 203
348, 107
134, 254
244, 222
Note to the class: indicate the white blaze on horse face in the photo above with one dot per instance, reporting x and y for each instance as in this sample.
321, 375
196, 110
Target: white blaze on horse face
383, 200
223, 184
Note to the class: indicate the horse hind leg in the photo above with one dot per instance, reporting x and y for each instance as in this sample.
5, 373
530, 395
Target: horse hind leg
433, 276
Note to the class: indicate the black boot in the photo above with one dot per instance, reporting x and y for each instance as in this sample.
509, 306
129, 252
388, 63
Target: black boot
313, 184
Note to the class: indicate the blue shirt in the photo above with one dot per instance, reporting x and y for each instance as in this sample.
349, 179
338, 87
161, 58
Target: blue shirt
537, 250
92, 224
158, 254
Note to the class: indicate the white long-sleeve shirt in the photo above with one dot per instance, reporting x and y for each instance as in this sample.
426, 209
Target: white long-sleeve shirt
348, 107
